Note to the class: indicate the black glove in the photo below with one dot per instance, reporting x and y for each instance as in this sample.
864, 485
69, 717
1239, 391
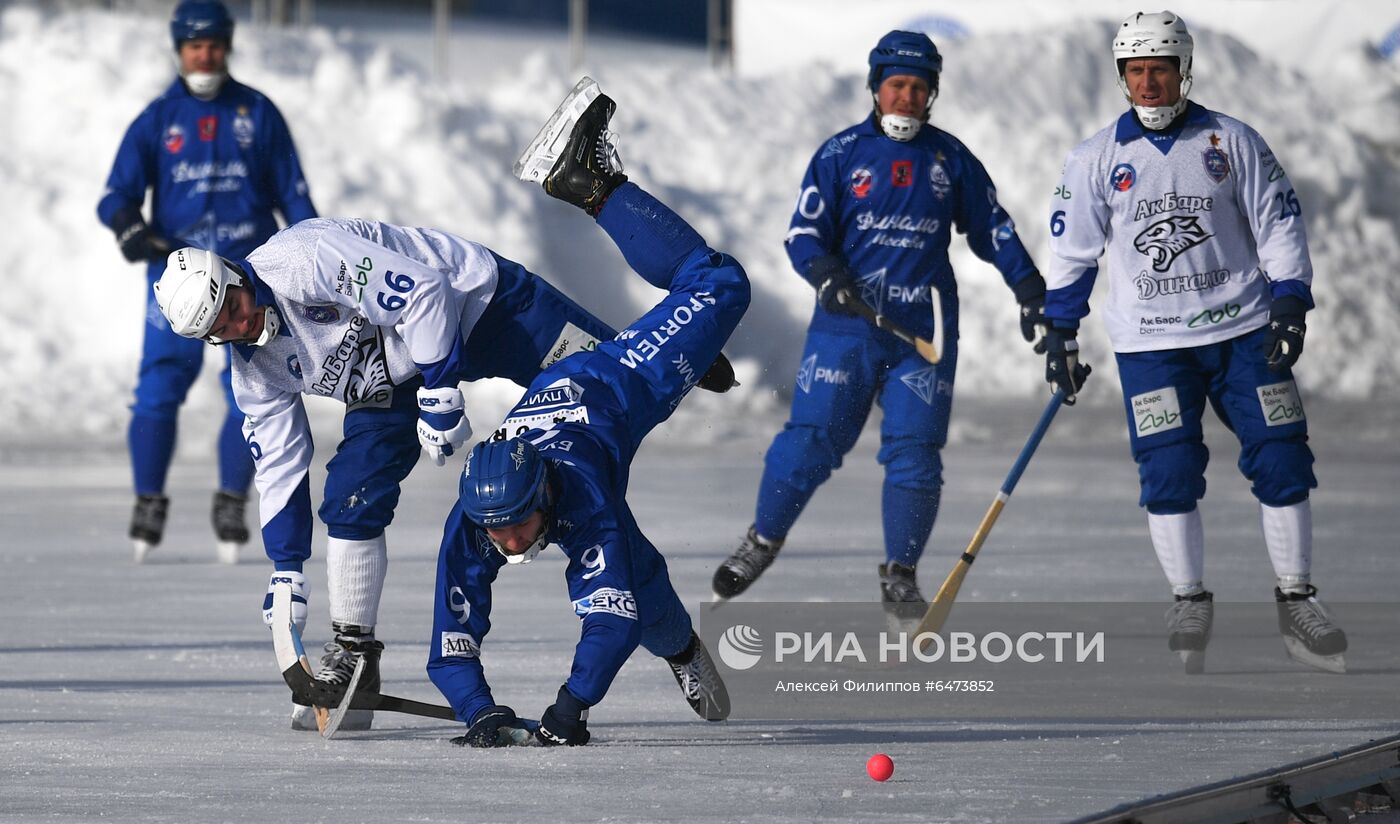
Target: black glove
1030, 294
1284, 341
485, 729
831, 276
136, 239
566, 722
1062, 367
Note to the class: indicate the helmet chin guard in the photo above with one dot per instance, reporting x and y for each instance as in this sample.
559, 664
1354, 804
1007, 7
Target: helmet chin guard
1161, 34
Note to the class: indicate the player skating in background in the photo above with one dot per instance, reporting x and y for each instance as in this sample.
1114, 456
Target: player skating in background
558, 470
220, 162
1211, 281
875, 216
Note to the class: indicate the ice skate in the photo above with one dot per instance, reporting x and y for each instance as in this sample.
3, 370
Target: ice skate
336, 669
740, 570
1310, 634
230, 525
575, 156
696, 674
1189, 623
904, 604
147, 524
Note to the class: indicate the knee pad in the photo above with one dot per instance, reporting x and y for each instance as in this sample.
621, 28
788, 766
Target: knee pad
1173, 477
802, 457
1281, 471
912, 464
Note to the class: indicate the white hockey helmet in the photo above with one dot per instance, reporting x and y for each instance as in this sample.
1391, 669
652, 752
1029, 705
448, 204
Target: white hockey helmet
191, 291
1159, 34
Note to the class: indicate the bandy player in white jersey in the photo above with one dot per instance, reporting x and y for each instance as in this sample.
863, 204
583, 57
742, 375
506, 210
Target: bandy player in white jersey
387, 320
1209, 284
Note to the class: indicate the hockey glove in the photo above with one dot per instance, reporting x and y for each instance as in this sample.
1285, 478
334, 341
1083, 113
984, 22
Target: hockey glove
719, 377
1062, 367
492, 727
137, 241
442, 422
1283, 343
300, 592
564, 723
833, 280
1030, 295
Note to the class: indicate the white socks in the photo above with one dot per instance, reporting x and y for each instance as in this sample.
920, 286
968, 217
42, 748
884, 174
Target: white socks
1288, 535
1180, 544
355, 579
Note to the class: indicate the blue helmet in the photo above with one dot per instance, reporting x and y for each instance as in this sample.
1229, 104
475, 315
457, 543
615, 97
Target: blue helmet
907, 50
503, 483
198, 19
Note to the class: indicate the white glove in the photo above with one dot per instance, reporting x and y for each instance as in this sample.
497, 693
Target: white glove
442, 422
300, 592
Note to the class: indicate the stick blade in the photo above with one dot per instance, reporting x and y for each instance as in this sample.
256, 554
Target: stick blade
333, 722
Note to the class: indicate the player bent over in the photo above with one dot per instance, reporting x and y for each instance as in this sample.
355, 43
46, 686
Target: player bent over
387, 320
561, 475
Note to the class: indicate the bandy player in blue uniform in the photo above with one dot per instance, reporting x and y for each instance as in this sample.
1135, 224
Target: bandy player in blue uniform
557, 471
220, 162
1210, 280
877, 210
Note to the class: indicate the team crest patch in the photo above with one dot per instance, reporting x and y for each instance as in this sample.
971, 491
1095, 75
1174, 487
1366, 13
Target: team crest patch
902, 173
1156, 411
861, 181
322, 314
1217, 164
243, 127
294, 366
1280, 403
174, 138
1123, 177
939, 181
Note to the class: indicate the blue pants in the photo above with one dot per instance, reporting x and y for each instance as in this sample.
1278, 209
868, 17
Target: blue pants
380, 445
1165, 395
839, 379
169, 366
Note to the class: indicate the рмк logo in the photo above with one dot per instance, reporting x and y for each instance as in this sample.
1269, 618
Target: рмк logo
740, 647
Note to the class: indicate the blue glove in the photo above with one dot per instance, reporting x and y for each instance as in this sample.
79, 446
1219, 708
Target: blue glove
831, 277
564, 723
492, 727
137, 241
1030, 295
1284, 341
1062, 367
442, 422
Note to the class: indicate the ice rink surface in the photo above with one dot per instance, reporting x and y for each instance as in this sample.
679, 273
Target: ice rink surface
150, 693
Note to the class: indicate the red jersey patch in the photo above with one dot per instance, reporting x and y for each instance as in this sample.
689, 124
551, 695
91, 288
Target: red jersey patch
902, 173
208, 127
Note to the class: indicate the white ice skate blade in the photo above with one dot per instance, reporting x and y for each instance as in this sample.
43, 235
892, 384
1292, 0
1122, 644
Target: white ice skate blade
534, 165
1193, 661
227, 551
140, 549
1299, 652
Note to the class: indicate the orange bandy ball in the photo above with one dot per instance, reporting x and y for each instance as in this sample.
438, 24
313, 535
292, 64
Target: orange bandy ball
880, 767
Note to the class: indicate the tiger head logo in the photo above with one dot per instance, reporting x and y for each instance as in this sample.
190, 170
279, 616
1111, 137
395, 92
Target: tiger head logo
1164, 240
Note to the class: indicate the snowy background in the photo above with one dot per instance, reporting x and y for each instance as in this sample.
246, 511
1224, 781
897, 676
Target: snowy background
149, 693
379, 139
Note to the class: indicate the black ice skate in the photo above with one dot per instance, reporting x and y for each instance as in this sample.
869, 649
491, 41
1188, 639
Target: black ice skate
740, 570
147, 524
1189, 623
1310, 634
333, 678
696, 674
575, 156
904, 604
230, 525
